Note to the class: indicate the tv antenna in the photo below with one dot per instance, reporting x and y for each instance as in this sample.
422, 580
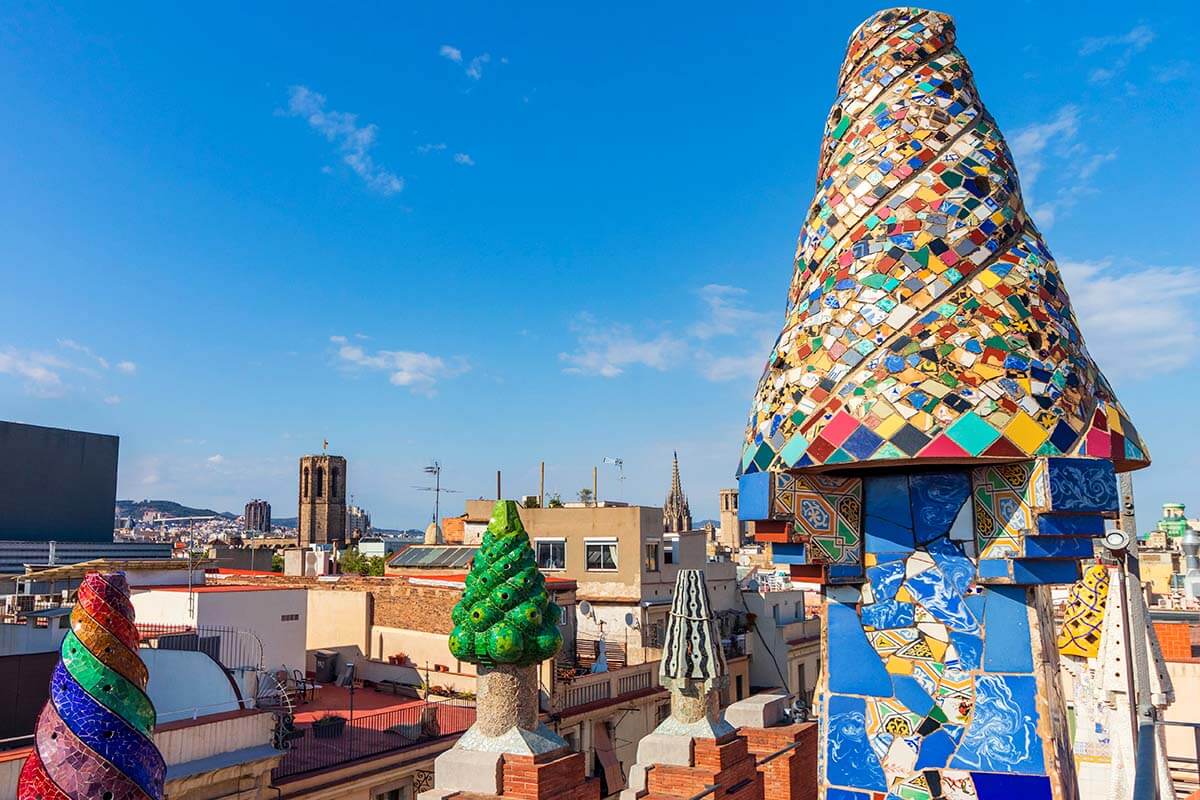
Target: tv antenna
619, 464
435, 469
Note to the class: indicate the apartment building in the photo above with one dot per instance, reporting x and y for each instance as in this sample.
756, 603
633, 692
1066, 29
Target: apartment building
624, 567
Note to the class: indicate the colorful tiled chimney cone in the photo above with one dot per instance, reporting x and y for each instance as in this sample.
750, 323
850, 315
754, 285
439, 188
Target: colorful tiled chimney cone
93, 737
927, 320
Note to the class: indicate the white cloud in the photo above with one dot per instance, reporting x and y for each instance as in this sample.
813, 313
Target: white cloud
113, 399
354, 141
730, 368
40, 371
128, 367
607, 350
71, 344
216, 459
1029, 143
1124, 45
726, 314
1136, 322
417, 371
475, 68
1053, 144
1090, 166
1137, 38
1174, 71
426, 149
464, 160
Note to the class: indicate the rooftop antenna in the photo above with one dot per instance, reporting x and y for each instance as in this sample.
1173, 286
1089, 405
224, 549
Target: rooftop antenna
435, 469
619, 463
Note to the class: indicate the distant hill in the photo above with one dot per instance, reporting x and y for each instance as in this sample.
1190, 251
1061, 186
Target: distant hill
135, 509
285, 522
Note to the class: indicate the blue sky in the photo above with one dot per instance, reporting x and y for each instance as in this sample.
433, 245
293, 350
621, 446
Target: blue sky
496, 235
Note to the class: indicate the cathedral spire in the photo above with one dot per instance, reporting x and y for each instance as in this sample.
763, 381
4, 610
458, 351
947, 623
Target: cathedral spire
677, 516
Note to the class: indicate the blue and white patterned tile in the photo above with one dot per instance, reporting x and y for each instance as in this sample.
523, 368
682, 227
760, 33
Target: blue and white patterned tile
937, 498
849, 759
1002, 733
933, 591
1081, 485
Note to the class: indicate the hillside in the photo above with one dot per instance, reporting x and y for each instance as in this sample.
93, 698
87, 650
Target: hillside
135, 508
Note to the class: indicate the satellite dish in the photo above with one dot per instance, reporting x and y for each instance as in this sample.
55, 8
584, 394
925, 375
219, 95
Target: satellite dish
585, 608
629, 619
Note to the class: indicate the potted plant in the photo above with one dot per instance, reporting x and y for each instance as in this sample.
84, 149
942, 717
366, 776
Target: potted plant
329, 726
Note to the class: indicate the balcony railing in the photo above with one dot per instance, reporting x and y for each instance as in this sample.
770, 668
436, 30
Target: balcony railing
233, 649
1183, 761
371, 735
611, 685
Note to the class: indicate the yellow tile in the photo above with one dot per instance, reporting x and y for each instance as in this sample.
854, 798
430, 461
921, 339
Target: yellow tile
989, 278
1114, 421
899, 666
889, 426
938, 649
1025, 433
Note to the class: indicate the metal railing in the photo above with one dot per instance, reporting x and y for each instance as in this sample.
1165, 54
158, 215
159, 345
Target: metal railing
595, 687
232, 648
325, 745
1185, 771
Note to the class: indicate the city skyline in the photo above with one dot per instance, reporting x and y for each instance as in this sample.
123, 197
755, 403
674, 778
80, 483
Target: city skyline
500, 237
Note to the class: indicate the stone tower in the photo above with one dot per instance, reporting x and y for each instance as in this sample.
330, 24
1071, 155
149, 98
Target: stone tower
677, 517
731, 526
322, 500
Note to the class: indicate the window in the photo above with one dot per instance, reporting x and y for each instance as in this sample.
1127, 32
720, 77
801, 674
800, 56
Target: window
653, 635
601, 555
652, 557
669, 550
393, 794
333, 482
738, 687
551, 553
662, 712
304, 483
320, 481
289, 617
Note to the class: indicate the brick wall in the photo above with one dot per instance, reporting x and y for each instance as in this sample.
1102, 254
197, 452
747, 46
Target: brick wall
1175, 638
792, 776
395, 602
525, 778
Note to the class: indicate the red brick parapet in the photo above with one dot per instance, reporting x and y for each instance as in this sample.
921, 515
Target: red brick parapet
726, 764
792, 775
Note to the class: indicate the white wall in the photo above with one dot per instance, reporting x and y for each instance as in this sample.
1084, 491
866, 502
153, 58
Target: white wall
162, 608
261, 613
184, 685
25, 637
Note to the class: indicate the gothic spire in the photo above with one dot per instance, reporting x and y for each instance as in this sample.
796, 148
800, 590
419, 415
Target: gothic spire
677, 516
